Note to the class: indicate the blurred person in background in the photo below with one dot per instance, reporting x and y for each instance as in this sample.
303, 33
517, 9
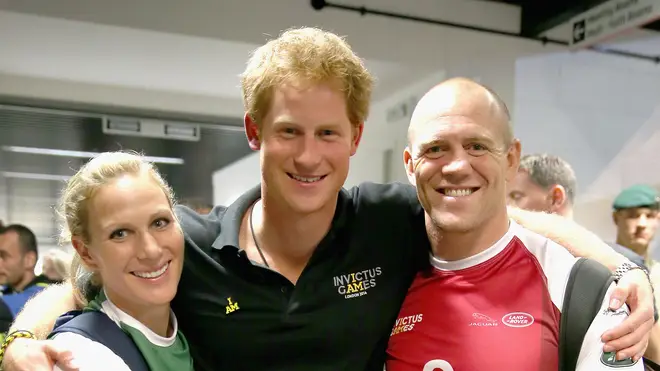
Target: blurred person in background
635, 215
56, 265
544, 183
18, 257
654, 247
547, 183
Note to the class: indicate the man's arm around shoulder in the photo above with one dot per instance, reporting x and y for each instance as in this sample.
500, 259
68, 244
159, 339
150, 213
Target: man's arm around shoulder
578, 240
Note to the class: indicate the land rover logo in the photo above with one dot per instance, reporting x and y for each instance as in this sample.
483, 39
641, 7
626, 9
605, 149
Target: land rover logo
518, 319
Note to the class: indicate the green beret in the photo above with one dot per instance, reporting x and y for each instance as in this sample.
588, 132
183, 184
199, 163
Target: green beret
637, 196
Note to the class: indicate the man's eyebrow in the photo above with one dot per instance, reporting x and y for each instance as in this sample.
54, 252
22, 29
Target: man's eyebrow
436, 139
428, 143
481, 138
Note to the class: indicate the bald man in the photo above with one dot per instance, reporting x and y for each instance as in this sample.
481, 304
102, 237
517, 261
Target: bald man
492, 297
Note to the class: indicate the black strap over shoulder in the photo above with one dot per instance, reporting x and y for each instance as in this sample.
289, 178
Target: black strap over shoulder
97, 326
587, 285
650, 365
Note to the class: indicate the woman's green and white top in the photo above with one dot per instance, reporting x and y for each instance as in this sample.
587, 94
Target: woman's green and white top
161, 353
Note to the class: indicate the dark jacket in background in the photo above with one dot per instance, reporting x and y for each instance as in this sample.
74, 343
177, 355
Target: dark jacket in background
12, 301
631, 255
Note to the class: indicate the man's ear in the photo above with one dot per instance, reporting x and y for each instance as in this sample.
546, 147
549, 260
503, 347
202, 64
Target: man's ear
30, 260
513, 160
409, 166
357, 136
558, 197
82, 250
252, 132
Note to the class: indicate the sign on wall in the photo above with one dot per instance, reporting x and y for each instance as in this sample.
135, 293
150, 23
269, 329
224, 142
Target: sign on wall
611, 18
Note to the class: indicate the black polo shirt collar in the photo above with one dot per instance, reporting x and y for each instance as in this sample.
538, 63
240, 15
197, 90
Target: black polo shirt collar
230, 220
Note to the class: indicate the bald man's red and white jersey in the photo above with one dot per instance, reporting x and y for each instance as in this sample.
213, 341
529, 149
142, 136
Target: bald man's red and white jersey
498, 311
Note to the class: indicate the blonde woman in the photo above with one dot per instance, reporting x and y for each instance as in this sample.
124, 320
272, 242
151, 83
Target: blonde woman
129, 249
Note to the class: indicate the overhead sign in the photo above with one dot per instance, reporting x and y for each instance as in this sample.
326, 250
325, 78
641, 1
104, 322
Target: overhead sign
610, 18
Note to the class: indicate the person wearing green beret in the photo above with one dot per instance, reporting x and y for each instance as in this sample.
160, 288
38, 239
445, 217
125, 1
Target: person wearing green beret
636, 218
635, 214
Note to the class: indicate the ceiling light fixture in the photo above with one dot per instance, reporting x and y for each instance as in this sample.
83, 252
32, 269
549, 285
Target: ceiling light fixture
83, 154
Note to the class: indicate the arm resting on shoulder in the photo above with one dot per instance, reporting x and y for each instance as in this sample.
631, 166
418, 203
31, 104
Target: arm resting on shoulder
40, 312
576, 239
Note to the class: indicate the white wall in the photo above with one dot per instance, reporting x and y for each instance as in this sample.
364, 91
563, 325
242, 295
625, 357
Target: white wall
495, 70
232, 181
601, 114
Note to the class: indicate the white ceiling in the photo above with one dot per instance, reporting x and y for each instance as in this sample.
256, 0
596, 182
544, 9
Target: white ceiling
249, 20
202, 46
118, 56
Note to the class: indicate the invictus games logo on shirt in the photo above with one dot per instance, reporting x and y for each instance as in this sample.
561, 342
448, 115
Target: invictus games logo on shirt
356, 284
405, 324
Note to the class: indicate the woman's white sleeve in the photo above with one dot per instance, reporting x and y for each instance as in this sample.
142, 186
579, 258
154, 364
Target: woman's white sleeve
89, 355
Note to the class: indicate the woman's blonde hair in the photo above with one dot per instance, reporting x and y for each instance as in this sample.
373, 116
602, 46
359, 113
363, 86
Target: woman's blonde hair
74, 203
